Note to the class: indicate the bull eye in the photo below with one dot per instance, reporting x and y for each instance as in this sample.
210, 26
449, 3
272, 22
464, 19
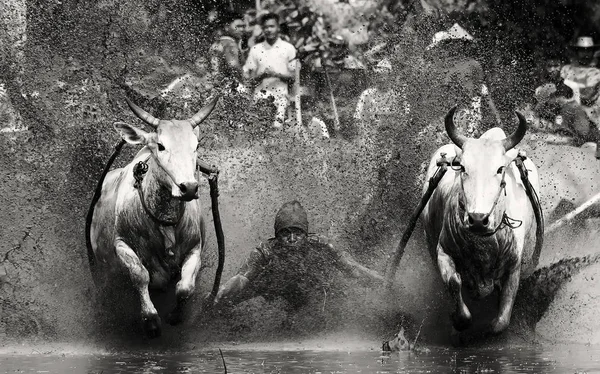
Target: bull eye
500, 170
160, 147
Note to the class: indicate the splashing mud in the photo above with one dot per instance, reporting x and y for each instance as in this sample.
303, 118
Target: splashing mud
357, 194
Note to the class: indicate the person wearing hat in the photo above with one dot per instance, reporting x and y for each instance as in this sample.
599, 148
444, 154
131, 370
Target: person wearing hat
292, 264
383, 98
579, 96
452, 65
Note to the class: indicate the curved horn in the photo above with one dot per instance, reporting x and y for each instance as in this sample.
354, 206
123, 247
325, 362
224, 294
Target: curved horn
142, 114
511, 141
204, 112
456, 138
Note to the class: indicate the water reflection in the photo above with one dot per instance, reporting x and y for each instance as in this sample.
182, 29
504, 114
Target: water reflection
500, 360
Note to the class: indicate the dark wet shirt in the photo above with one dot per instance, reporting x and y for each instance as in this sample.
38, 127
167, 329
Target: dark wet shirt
226, 60
293, 274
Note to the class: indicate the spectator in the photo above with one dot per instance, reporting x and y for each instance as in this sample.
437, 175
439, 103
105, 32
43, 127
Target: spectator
270, 68
462, 76
225, 52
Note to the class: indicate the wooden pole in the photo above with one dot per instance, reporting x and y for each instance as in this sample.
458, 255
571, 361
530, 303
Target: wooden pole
336, 123
297, 93
561, 222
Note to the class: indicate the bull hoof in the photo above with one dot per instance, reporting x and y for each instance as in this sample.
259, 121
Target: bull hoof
499, 324
461, 320
152, 326
456, 338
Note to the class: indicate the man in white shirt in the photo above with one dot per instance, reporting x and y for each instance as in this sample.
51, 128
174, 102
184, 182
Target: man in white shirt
270, 67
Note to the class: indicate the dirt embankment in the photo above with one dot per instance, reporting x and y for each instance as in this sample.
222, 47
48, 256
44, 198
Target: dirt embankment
67, 83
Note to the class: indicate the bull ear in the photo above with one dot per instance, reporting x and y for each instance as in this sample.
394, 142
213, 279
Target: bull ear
131, 134
199, 117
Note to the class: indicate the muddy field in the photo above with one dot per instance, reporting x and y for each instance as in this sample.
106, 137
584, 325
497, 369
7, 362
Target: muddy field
68, 70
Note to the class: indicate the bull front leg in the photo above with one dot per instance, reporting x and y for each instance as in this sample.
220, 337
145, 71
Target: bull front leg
461, 317
507, 300
186, 285
140, 279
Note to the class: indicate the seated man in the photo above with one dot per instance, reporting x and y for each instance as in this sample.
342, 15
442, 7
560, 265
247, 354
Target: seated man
292, 264
574, 99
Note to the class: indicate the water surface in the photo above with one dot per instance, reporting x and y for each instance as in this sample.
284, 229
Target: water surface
437, 360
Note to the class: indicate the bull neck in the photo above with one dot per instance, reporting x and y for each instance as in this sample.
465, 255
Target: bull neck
157, 197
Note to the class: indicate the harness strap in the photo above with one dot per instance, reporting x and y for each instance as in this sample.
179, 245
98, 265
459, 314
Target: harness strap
537, 208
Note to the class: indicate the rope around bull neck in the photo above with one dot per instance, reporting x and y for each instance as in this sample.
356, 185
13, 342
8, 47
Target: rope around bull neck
139, 171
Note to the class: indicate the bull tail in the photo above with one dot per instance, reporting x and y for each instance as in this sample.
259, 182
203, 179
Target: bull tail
95, 198
539, 289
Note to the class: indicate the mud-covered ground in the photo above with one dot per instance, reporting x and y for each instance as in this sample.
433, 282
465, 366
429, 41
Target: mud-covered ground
66, 83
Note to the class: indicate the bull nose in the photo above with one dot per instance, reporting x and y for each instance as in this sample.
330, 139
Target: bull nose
478, 221
189, 190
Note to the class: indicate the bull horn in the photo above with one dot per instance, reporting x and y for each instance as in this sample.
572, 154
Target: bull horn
456, 138
511, 141
199, 117
142, 114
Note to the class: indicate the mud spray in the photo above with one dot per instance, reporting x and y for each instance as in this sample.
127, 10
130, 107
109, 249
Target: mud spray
359, 197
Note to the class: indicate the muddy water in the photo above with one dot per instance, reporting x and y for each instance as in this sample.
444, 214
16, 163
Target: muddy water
558, 359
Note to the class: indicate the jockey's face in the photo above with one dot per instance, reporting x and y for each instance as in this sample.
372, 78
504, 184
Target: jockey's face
291, 236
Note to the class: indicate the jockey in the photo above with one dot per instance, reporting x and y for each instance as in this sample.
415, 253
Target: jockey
291, 264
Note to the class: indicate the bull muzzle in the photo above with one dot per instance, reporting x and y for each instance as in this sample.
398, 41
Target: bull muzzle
478, 222
188, 191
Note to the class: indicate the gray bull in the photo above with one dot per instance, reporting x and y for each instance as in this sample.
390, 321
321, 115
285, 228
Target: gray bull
152, 228
479, 223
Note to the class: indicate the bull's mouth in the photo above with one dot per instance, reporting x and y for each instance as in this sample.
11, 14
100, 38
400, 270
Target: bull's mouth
187, 198
481, 231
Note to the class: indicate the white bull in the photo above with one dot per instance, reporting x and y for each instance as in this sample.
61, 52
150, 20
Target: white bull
479, 222
152, 228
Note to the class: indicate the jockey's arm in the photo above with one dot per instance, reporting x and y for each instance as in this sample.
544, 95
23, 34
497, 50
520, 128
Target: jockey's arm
349, 266
235, 289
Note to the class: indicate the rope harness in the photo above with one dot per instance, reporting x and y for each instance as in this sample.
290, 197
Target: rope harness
139, 171
443, 163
